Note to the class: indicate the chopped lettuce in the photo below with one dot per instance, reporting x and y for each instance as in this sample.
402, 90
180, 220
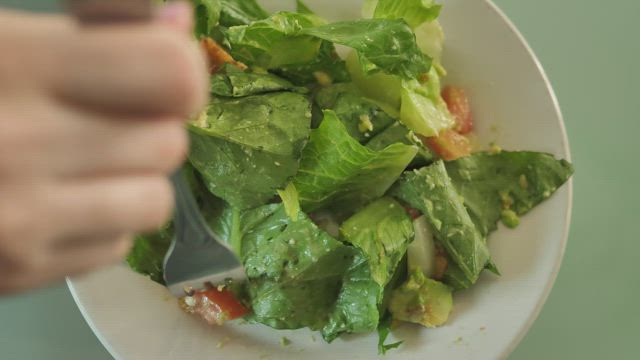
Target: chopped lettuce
507, 181
422, 301
236, 83
430, 190
362, 118
327, 64
384, 329
382, 45
147, 255
241, 12
381, 232
337, 172
414, 12
248, 148
381, 87
289, 197
294, 270
398, 133
423, 110
275, 41
430, 37
207, 16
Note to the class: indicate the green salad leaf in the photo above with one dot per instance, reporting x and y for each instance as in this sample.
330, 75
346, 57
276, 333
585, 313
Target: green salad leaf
336, 171
147, 255
294, 270
381, 232
494, 183
414, 12
357, 307
430, 190
248, 148
275, 41
423, 109
241, 12
398, 133
236, 83
327, 66
384, 329
362, 118
381, 44
207, 16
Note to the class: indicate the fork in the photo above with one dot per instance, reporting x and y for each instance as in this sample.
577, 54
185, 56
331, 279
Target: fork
197, 257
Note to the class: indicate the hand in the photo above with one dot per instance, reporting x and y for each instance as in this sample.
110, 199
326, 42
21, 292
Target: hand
91, 123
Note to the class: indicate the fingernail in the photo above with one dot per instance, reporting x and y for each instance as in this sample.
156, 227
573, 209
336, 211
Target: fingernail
177, 14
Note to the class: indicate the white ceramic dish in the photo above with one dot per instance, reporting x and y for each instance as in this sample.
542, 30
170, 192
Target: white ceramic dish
515, 106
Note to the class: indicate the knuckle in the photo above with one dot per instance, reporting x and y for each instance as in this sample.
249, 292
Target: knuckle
171, 148
186, 73
158, 194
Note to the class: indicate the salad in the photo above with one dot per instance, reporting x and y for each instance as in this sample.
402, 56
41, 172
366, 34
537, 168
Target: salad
347, 185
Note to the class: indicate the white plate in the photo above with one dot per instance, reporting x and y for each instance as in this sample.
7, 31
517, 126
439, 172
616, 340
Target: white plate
515, 106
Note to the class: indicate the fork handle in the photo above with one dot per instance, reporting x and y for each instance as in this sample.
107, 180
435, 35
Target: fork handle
187, 217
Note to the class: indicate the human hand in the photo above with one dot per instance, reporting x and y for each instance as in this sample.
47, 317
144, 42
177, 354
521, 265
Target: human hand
91, 123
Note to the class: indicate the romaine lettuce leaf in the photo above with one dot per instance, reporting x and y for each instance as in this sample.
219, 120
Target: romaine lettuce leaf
398, 133
381, 232
207, 16
362, 118
147, 254
517, 181
414, 12
337, 172
236, 83
357, 309
241, 12
423, 110
382, 45
430, 190
294, 269
326, 64
292, 38
275, 41
248, 148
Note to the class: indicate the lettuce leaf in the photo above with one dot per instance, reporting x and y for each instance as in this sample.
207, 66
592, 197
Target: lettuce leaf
236, 83
294, 269
275, 41
362, 118
423, 109
248, 148
147, 254
398, 133
381, 232
414, 12
518, 181
207, 16
430, 190
382, 45
241, 12
327, 63
336, 171
288, 38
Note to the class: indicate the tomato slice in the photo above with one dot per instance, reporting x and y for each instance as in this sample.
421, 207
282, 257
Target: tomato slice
459, 106
450, 145
214, 305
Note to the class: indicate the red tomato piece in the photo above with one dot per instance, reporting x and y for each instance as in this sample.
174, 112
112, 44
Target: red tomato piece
459, 106
450, 145
215, 306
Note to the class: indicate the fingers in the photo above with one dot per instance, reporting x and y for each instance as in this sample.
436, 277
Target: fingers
143, 69
55, 265
115, 205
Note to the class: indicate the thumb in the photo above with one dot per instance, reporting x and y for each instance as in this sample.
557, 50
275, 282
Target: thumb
176, 14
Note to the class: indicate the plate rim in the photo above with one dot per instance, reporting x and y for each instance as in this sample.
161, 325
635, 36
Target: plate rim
535, 313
